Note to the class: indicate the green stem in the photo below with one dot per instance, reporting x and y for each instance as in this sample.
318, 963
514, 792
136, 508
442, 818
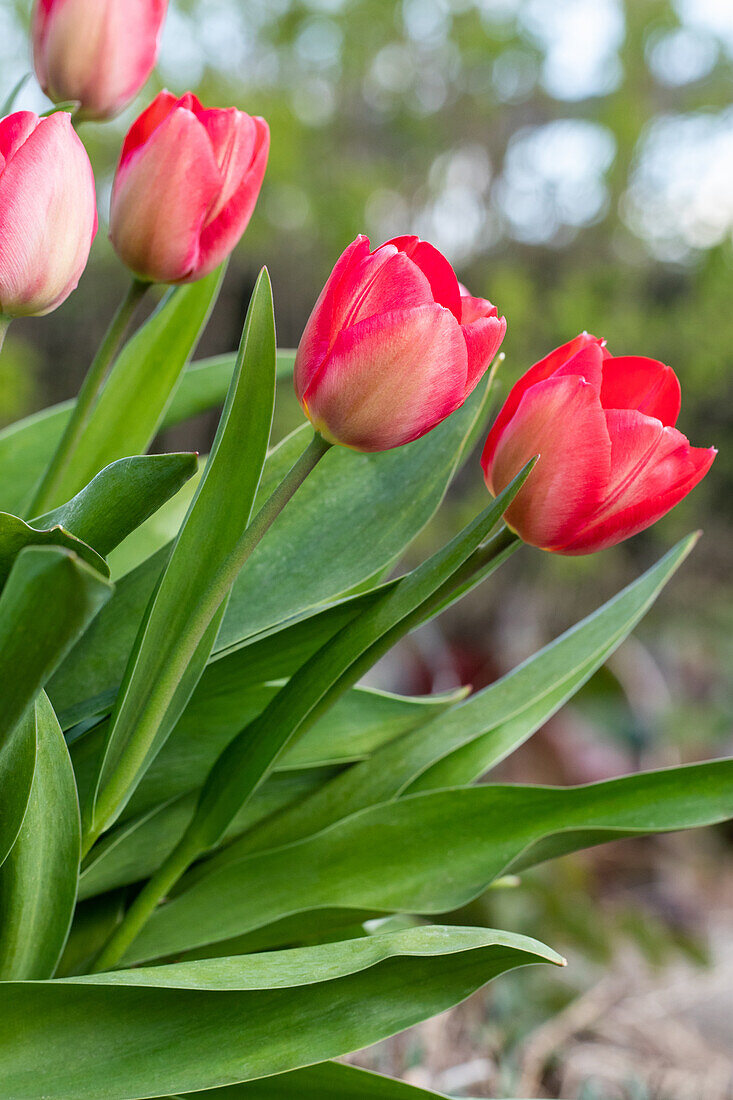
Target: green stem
46, 495
112, 796
189, 847
4, 326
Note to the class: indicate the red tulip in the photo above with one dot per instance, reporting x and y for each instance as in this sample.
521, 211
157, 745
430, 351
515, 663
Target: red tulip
392, 347
610, 463
186, 186
99, 52
48, 212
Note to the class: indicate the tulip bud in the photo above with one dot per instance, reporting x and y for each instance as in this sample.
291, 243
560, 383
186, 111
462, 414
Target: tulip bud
48, 213
99, 52
610, 462
185, 188
392, 347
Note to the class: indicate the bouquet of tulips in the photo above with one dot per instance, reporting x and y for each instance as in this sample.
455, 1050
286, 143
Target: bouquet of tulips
223, 863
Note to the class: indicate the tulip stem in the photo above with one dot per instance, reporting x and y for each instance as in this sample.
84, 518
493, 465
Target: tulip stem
4, 326
51, 485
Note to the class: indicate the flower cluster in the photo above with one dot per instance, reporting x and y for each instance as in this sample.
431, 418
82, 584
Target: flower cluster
394, 343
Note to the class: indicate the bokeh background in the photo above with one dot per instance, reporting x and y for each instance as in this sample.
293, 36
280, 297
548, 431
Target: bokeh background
574, 160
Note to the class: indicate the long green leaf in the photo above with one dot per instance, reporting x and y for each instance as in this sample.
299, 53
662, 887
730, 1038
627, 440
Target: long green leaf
251, 756
38, 879
129, 409
461, 745
433, 852
50, 597
17, 765
353, 517
16, 535
197, 578
26, 447
327, 1081
208, 1024
120, 498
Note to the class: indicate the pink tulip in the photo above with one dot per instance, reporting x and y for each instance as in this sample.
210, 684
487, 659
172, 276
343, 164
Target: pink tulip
392, 347
186, 186
610, 463
99, 52
48, 212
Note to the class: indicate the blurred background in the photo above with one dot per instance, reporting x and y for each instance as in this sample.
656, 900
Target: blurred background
574, 161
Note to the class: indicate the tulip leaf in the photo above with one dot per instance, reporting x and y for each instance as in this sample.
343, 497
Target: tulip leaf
136, 847
38, 879
16, 535
326, 1081
321, 547
317, 684
180, 627
459, 746
27, 446
120, 498
175, 1029
393, 857
130, 407
50, 597
17, 765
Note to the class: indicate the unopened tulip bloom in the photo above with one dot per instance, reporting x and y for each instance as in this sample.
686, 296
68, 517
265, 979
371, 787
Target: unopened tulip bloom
392, 346
185, 188
611, 461
99, 52
48, 212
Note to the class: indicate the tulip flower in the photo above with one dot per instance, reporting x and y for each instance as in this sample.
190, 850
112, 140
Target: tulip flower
48, 212
185, 188
611, 461
99, 52
392, 346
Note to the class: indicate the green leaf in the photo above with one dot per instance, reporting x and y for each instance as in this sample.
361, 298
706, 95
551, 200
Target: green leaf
120, 498
16, 535
135, 848
393, 857
327, 1081
355, 727
17, 765
26, 447
180, 1028
353, 518
475, 735
50, 597
130, 407
309, 693
39, 877
179, 628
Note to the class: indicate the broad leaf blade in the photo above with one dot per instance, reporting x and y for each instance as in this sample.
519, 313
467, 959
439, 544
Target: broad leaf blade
179, 622
16, 535
48, 601
458, 747
38, 879
327, 1081
393, 857
177, 1029
120, 498
17, 765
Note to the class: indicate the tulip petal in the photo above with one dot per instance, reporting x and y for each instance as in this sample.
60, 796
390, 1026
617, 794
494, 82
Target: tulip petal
437, 270
561, 420
635, 382
148, 121
582, 356
48, 218
161, 194
316, 340
389, 379
15, 130
483, 338
653, 468
242, 179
